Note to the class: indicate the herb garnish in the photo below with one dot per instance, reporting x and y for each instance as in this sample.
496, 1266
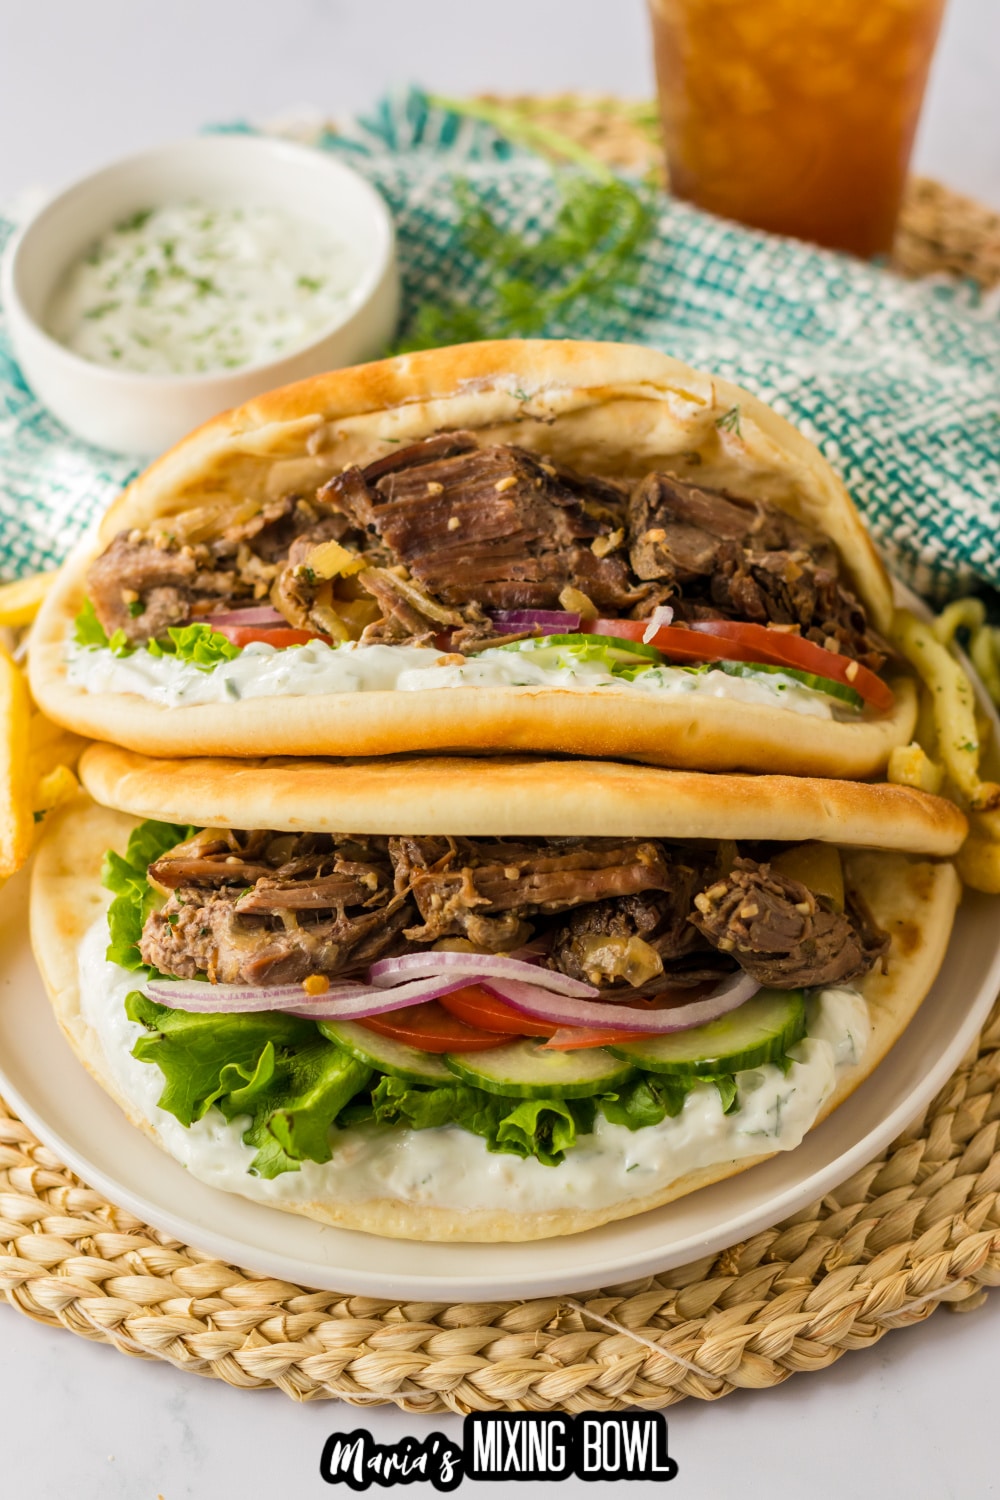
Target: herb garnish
589, 257
730, 421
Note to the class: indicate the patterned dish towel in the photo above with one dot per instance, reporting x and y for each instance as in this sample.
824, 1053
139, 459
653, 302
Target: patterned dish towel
898, 382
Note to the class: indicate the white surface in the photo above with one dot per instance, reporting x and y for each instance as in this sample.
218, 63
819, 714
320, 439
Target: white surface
80, 84
130, 412
914, 1418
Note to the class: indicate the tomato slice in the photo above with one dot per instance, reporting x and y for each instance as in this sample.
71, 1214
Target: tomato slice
477, 1007
784, 649
432, 1028
737, 640
675, 641
243, 635
576, 1038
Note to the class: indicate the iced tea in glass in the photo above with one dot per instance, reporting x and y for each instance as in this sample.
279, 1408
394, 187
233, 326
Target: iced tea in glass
796, 116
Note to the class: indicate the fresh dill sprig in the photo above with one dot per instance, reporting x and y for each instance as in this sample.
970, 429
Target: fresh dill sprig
529, 283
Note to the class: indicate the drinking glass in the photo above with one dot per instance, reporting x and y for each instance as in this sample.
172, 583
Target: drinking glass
795, 116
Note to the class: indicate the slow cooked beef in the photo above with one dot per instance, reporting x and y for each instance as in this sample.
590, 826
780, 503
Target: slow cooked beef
272, 908
450, 531
737, 559
781, 933
483, 890
630, 916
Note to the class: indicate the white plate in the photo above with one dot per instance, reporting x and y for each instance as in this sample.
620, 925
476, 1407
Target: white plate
43, 1081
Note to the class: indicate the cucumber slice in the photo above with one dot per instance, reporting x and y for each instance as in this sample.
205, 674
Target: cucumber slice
617, 649
523, 1070
759, 1031
382, 1052
808, 679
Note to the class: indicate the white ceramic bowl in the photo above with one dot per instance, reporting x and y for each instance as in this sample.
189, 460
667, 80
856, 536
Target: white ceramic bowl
143, 414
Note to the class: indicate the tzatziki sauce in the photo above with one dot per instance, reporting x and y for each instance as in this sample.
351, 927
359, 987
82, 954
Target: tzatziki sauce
263, 671
450, 1167
193, 287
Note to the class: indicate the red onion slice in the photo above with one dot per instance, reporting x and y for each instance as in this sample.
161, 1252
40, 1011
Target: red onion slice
476, 966
662, 615
510, 621
346, 1001
257, 614
565, 1010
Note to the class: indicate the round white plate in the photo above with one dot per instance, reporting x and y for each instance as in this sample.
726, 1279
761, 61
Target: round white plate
53, 1093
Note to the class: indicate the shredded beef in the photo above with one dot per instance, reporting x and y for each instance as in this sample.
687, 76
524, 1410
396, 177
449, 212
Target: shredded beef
450, 531
782, 934
483, 890
266, 908
629, 915
145, 582
745, 560
644, 942
495, 527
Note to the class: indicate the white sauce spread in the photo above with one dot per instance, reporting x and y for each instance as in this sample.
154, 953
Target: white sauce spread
189, 287
262, 671
450, 1167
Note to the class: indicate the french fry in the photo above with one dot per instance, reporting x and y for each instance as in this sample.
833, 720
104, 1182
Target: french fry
954, 704
910, 765
49, 746
52, 789
16, 820
978, 863
984, 639
20, 601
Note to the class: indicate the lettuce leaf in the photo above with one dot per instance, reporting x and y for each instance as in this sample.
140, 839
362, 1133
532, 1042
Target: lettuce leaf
543, 1128
125, 877
273, 1067
645, 1100
88, 631
87, 628
196, 643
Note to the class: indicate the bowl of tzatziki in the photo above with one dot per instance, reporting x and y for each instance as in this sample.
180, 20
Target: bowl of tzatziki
175, 284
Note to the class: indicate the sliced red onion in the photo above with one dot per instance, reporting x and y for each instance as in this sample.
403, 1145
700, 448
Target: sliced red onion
662, 615
476, 966
539, 947
370, 1000
510, 621
346, 1001
231, 999
260, 614
565, 1010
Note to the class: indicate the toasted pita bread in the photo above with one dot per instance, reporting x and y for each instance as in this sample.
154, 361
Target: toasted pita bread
519, 795
602, 408
914, 900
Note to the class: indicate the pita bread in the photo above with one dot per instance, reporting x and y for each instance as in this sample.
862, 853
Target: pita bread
913, 900
518, 795
602, 408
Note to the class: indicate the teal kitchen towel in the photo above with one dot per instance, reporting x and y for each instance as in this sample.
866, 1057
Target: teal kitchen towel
898, 382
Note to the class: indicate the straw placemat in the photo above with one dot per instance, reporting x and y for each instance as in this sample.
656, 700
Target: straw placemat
918, 1227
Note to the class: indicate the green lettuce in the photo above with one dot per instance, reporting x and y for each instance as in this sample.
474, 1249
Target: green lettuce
88, 631
544, 1128
197, 643
273, 1067
125, 876
645, 1100
87, 628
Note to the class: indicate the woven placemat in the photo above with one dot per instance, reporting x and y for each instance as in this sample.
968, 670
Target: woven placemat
917, 1227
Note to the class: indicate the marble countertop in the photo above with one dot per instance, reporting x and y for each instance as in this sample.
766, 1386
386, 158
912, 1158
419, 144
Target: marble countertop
80, 84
